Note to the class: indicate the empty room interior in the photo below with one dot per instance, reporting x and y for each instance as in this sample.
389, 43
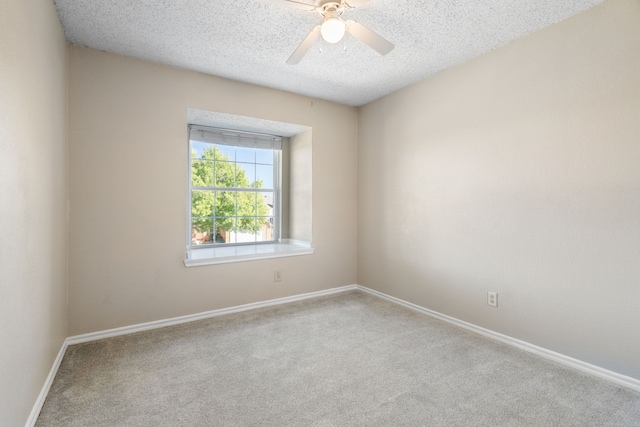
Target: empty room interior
448, 175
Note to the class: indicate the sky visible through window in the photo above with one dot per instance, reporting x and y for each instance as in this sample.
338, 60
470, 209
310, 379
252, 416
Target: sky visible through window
256, 162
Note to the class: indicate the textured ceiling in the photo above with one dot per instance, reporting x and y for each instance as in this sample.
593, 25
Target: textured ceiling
250, 40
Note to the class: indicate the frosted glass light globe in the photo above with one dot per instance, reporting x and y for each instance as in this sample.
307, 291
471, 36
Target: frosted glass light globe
332, 30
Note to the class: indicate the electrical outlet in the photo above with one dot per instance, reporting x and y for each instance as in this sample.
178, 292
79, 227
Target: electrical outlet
277, 276
492, 299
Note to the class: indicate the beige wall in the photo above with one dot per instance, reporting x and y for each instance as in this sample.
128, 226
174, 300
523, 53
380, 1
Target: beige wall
33, 242
127, 184
301, 187
518, 172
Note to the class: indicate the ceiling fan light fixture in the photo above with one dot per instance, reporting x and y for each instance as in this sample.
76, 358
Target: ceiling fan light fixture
332, 30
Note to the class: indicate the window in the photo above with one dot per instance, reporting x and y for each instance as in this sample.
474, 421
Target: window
234, 194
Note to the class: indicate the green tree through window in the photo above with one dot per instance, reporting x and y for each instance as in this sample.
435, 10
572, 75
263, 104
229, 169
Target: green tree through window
223, 197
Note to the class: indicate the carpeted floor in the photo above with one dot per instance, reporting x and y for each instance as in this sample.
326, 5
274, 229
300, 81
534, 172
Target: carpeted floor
346, 360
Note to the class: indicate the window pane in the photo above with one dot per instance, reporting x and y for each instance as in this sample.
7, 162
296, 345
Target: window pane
202, 231
265, 204
265, 229
245, 154
246, 229
201, 173
225, 230
201, 203
226, 152
245, 175
225, 204
225, 174
264, 156
264, 176
198, 149
246, 203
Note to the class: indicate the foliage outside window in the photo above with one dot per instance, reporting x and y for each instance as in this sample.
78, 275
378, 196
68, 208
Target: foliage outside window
233, 187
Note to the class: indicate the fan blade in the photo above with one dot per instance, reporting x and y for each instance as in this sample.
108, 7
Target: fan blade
356, 3
293, 4
304, 47
365, 35
303, 5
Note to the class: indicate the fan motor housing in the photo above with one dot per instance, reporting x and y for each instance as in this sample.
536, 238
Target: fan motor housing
330, 9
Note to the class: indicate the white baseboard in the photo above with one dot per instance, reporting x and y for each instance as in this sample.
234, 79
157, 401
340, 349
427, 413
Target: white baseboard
588, 368
33, 416
93, 336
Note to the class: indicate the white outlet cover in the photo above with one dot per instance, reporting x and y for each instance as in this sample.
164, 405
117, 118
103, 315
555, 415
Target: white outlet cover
492, 299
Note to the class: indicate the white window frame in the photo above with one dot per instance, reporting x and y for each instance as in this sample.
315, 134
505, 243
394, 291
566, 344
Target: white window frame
215, 253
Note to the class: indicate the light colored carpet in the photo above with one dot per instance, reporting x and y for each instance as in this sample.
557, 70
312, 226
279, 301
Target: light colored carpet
346, 360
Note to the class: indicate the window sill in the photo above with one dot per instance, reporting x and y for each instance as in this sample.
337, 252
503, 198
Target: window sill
224, 255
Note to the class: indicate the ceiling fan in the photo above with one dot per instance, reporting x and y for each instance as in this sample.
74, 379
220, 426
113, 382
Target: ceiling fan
334, 27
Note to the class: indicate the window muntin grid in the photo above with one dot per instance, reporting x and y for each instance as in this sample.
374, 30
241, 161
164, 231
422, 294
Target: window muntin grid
233, 193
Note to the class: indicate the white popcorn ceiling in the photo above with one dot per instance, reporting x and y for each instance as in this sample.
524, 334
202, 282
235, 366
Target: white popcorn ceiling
250, 40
